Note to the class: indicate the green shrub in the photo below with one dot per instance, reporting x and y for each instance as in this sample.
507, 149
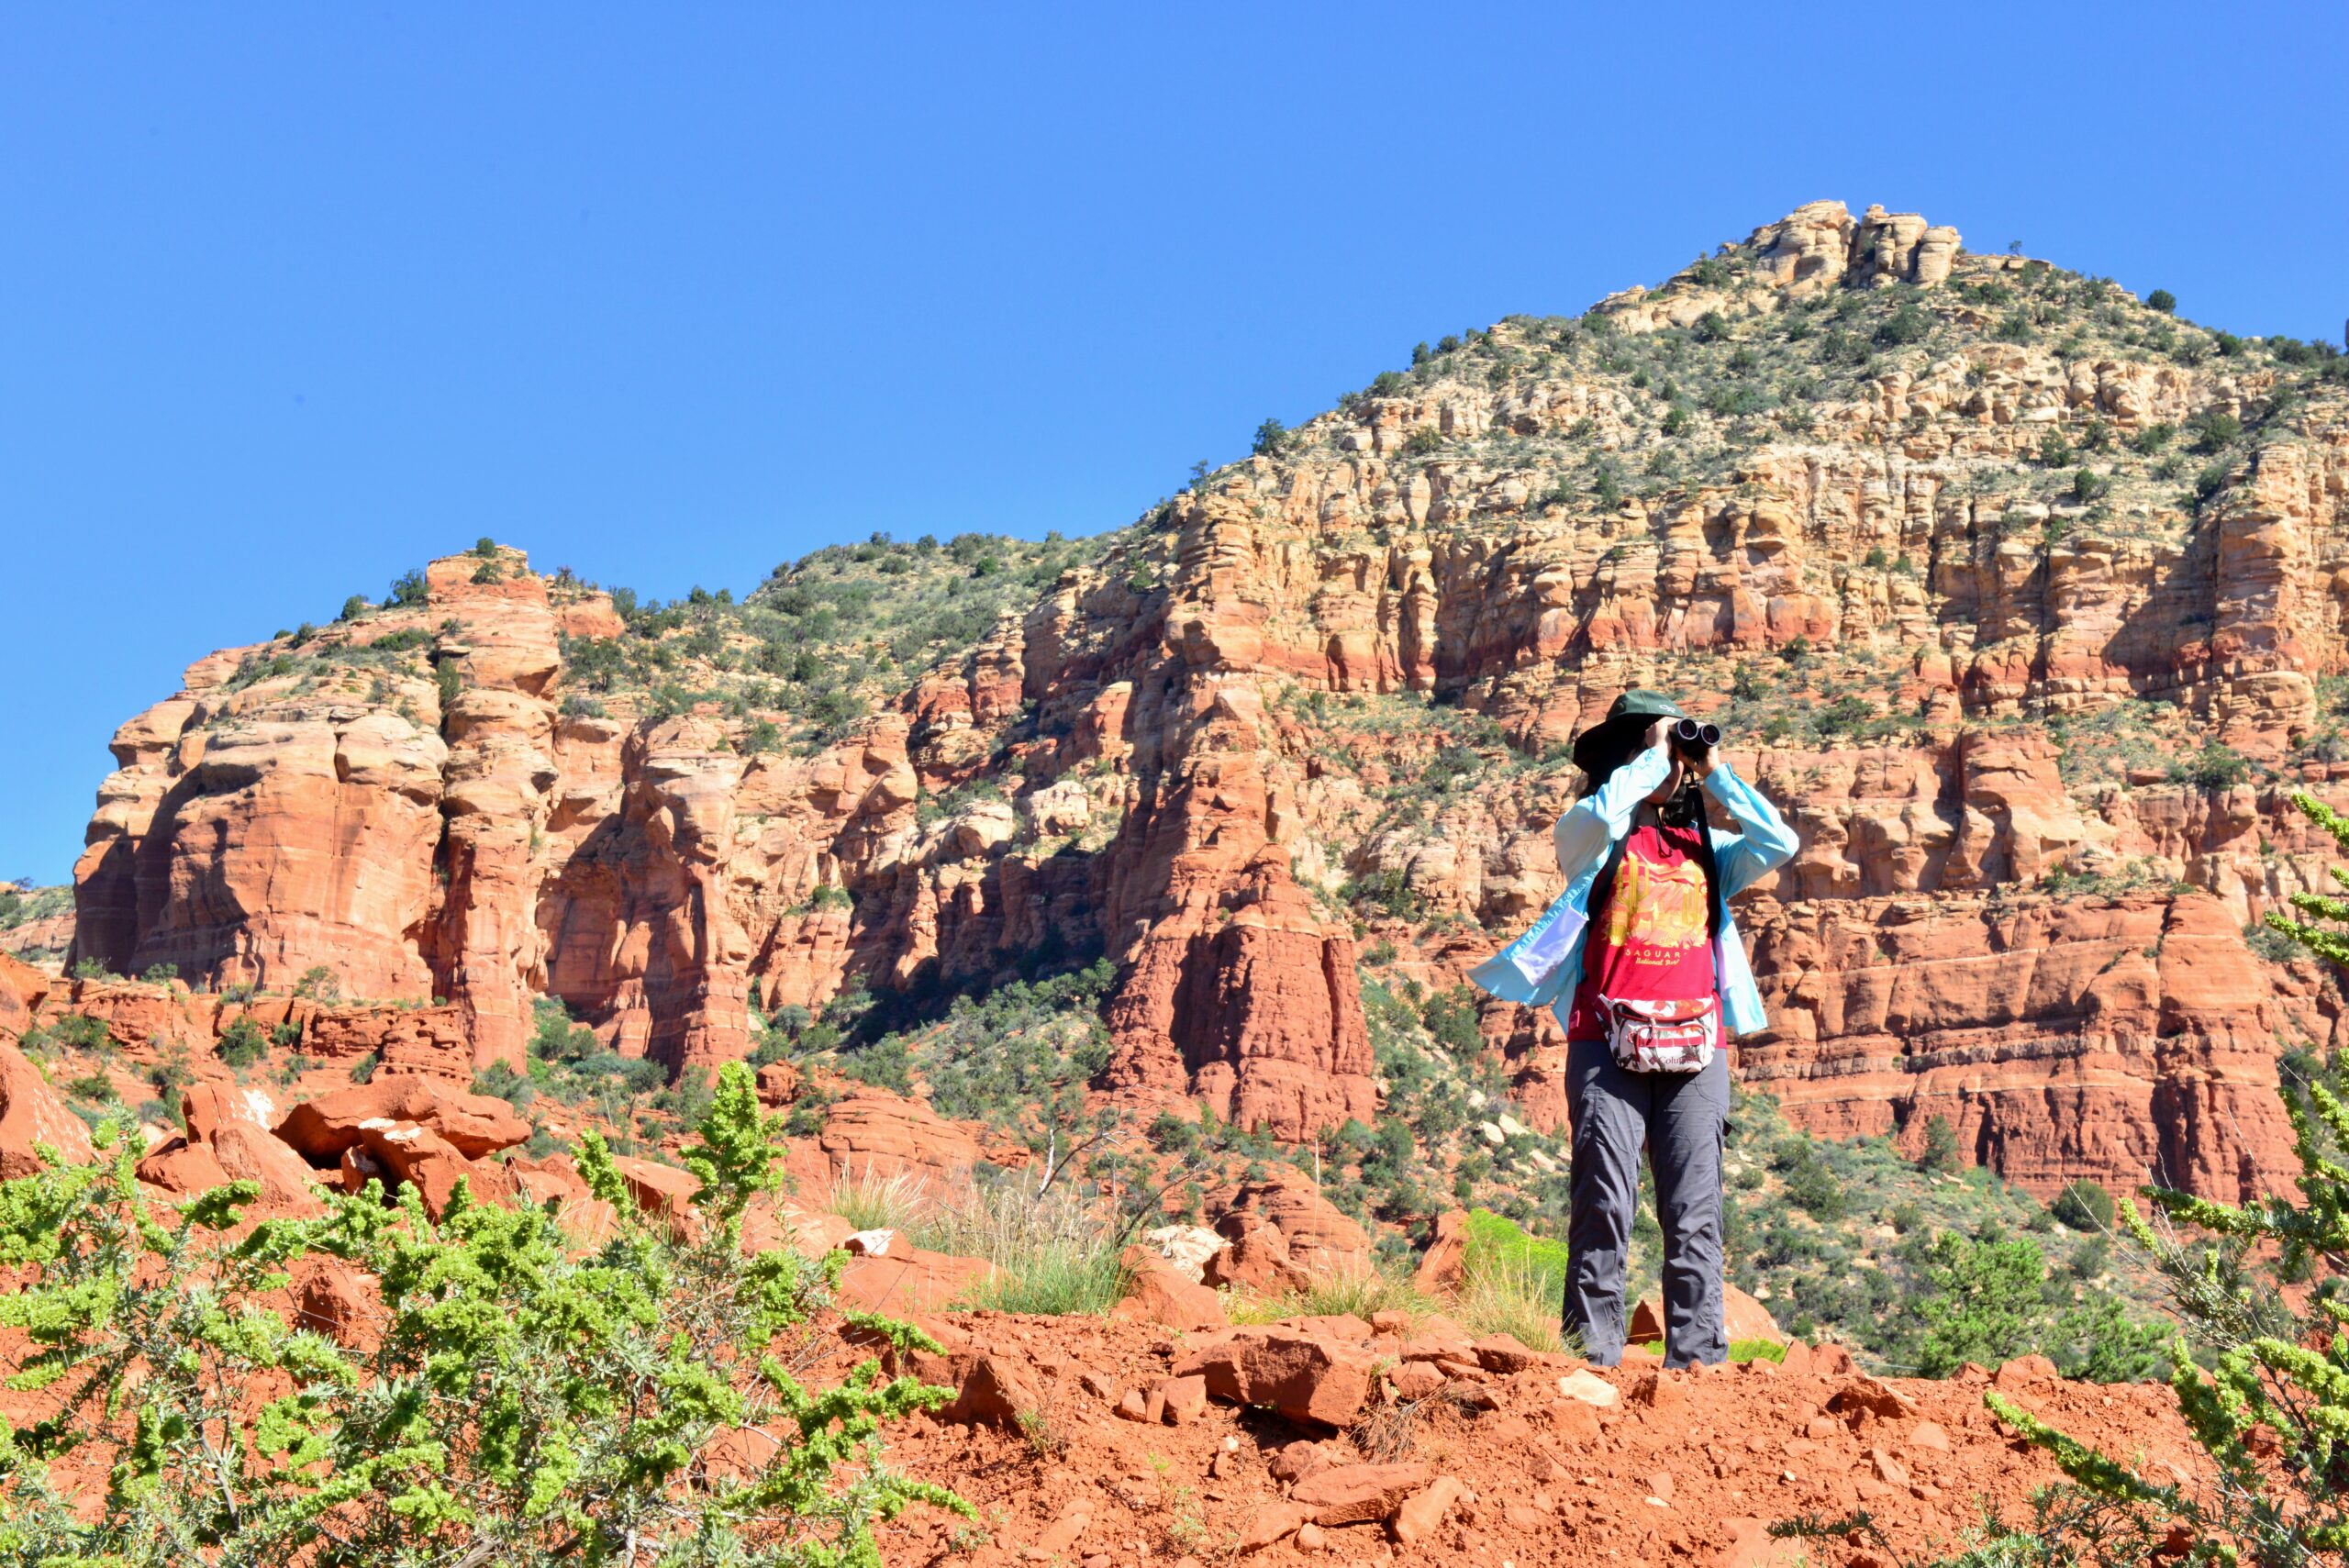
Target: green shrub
242, 1043
524, 1404
2215, 430
94, 1086
2261, 1373
501, 1082
1492, 1241
2215, 766
2083, 1206
408, 591
79, 1032
1389, 891
1450, 1019
1940, 1153
1811, 1186
1989, 1301
1273, 438
2161, 300
1423, 441
319, 984
1908, 324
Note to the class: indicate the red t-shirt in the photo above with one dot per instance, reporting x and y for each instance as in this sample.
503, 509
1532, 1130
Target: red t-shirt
1653, 942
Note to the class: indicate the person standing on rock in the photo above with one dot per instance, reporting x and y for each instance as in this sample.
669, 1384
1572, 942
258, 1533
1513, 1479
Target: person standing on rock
1643, 966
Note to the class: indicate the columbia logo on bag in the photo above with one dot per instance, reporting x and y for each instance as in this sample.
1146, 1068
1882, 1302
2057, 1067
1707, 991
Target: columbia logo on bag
1663, 1036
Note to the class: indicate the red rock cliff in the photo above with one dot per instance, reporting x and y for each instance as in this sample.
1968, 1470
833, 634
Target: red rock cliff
1917, 526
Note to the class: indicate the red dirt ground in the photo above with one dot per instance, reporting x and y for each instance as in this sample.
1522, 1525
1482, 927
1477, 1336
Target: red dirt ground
1694, 1478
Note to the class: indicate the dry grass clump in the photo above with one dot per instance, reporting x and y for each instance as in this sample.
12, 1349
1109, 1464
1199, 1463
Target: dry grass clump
1360, 1290
872, 1202
1511, 1294
1053, 1250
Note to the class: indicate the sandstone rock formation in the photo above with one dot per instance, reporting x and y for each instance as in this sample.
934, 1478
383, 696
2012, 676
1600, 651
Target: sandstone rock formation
229, 1138
33, 1118
2022, 598
472, 1125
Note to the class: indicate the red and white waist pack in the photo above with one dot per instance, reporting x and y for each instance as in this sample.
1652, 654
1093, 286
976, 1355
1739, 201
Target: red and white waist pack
1663, 1037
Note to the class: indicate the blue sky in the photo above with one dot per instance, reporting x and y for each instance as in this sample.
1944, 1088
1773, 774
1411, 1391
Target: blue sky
293, 297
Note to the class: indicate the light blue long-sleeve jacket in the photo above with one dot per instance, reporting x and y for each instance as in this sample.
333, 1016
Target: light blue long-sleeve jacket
1542, 967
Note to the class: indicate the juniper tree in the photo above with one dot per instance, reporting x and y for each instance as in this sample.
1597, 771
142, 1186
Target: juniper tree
2272, 1409
524, 1399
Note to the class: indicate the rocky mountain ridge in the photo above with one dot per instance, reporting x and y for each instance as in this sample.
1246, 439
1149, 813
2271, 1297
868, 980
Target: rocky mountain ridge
2025, 598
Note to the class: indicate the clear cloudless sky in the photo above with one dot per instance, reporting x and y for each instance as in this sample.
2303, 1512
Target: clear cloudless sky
294, 296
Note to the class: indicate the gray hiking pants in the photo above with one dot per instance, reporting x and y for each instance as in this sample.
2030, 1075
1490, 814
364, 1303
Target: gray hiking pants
1679, 1118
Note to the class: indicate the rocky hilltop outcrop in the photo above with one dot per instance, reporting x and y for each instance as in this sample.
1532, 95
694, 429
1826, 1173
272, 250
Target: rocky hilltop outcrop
2026, 600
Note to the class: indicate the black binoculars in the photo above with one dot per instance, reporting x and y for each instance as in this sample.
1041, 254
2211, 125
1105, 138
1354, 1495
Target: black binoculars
1690, 735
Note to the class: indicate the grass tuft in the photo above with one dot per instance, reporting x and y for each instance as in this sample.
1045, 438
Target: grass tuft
1512, 1292
1053, 1253
872, 1202
1361, 1291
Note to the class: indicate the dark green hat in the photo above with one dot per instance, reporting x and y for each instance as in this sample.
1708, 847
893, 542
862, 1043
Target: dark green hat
1609, 742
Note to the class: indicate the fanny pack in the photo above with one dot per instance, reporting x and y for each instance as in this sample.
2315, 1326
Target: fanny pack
1663, 1036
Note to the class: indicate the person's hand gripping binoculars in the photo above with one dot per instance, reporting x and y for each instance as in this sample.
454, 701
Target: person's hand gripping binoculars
1692, 741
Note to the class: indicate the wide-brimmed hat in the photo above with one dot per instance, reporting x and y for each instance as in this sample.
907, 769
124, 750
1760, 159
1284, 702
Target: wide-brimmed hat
1630, 714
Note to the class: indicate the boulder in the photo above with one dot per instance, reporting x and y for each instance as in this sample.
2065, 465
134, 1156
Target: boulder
1255, 1257
1357, 1494
910, 1279
555, 1179
877, 1132
1588, 1387
1320, 1238
1271, 1522
1165, 1298
1418, 1516
1185, 1249
472, 1125
1505, 1353
1443, 1267
337, 1301
779, 1084
1296, 1461
31, 1114
995, 1390
1744, 1317
1302, 1378
227, 1141
1864, 1393
410, 1153
22, 989
663, 1192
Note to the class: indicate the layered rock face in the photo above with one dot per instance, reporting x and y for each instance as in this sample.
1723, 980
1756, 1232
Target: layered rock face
370, 813
1917, 526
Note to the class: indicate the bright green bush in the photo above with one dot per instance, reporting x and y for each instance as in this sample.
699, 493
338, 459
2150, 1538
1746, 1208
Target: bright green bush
525, 1404
1497, 1242
242, 1043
